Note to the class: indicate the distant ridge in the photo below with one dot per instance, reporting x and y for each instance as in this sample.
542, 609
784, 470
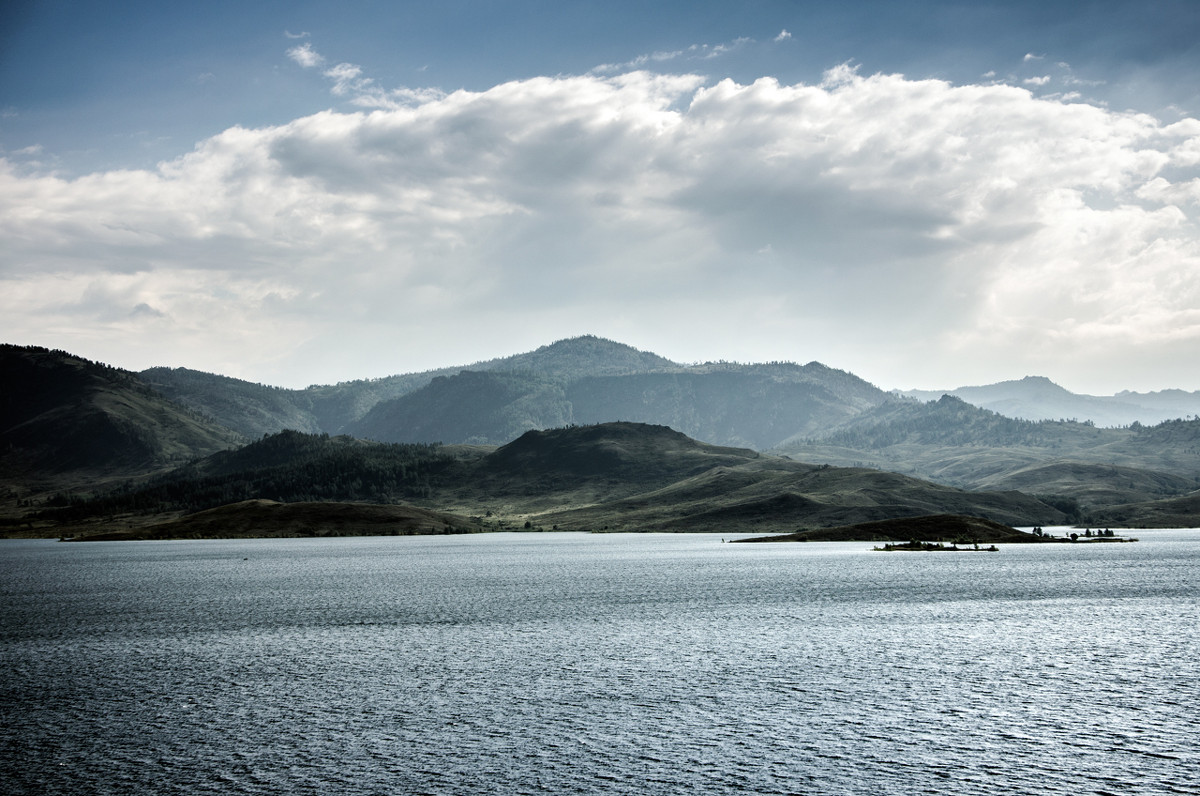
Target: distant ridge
108, 424
256, 409
1038, 398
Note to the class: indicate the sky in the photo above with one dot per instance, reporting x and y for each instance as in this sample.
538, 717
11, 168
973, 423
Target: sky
928, 194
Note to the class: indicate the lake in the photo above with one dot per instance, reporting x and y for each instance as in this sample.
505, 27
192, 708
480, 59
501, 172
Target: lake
576, 663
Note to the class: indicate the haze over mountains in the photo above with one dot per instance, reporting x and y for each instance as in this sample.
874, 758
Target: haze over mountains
1038, 398
589, 379
71, 424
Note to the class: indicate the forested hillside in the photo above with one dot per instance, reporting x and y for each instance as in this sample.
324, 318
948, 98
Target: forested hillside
616, 476
286, 467
61, 413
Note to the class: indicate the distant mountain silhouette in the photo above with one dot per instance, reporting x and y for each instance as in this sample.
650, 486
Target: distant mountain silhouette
256, 409
1038, 398
756, 406
1083, 469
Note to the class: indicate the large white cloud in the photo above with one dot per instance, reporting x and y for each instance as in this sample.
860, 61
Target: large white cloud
913, 231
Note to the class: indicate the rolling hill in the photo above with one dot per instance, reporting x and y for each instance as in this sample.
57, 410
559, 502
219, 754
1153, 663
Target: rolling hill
1078, 467
70, 426
613, 476
63, 417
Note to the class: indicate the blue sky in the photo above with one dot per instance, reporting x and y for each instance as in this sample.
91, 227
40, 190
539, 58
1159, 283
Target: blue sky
928, 194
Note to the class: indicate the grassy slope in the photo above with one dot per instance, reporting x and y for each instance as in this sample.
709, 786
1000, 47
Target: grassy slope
615, 476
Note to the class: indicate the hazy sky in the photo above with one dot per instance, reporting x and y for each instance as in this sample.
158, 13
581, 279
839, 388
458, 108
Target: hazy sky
928, 194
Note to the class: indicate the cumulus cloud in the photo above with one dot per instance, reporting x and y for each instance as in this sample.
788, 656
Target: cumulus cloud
305, 55
903, 229
783, 35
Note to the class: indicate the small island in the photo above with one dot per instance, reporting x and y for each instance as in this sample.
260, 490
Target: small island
934, 547
935, 533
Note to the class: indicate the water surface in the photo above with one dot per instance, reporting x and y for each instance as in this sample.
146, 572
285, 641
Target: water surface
572, 663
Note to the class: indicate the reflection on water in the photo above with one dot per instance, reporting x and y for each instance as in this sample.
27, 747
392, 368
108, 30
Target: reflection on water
567, 663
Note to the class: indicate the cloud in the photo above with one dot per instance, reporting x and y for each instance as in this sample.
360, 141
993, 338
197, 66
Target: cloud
694, 52
903, 229
348, 78
707, 52
287, 34
305, 55
639, 62
783, 36
1040, 80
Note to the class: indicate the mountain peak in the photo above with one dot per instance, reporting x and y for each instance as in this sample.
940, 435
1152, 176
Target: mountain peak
585, 355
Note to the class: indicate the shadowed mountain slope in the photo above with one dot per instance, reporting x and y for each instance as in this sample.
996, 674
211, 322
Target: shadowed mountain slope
474, 407
61, 413
249, 408
742, 405
613, 476
256, 409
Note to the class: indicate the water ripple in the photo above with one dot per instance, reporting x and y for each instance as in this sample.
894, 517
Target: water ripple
583, 664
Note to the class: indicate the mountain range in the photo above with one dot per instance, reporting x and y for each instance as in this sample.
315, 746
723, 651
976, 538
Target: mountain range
1038, 398
76, 432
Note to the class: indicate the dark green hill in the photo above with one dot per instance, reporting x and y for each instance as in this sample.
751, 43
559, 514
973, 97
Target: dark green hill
634, 453
287, 467
756, 406
742, 405
614, 476
473, 407
61, 413
248, 408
